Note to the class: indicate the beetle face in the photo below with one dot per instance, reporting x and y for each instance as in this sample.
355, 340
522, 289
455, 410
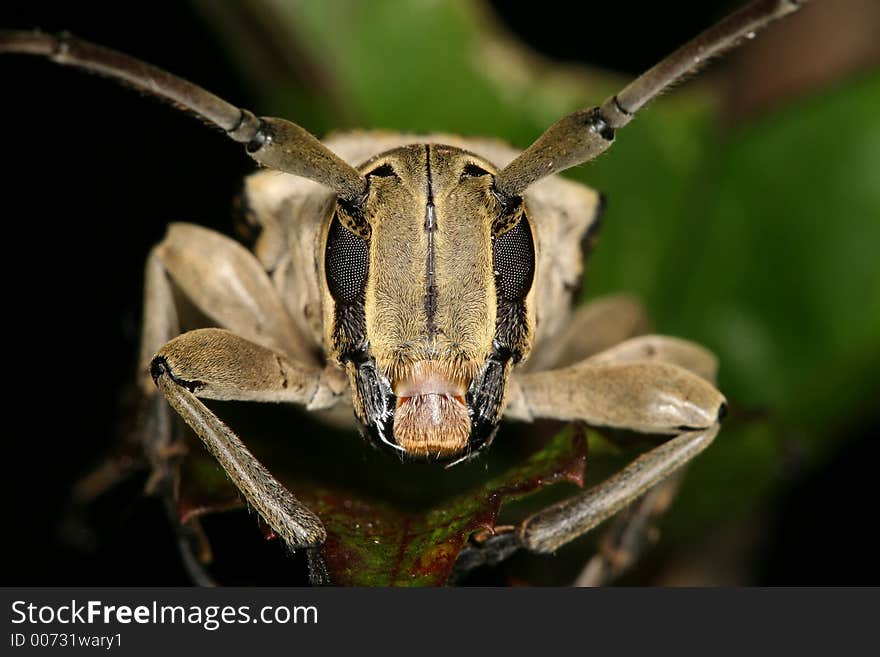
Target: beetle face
429, 278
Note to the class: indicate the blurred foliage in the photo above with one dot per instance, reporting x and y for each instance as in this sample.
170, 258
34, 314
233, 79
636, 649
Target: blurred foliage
758, 241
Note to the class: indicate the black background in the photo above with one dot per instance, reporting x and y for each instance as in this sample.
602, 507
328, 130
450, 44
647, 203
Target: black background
91, 175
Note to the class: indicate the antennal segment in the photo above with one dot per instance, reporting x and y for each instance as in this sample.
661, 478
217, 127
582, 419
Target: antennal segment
274, 143
584, 135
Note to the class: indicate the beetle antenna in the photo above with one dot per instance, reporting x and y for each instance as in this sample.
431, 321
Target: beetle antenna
274, 143
587, 133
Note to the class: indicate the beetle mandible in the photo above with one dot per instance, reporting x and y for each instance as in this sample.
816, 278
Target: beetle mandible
433, 275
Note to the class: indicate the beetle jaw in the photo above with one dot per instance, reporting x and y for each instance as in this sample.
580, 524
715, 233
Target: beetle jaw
431, 418
426, 411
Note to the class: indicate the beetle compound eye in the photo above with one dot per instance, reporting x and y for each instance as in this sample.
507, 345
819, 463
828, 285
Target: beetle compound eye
383, 171
346, 263
513, 259
471, 170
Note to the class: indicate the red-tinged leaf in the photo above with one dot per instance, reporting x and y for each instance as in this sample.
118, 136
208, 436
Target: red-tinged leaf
373, 542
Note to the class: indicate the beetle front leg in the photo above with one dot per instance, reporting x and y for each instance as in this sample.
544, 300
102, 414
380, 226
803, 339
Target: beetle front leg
624, 388
625, 539
621, 388
217, 364
553, 527
227, 285
627, 387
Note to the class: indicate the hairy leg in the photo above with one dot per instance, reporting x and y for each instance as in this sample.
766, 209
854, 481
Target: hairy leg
626, 387
217, 364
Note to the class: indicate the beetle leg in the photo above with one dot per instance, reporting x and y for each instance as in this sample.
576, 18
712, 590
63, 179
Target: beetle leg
593, 327
653, 384
155, 424
652, 476
626, 387
553, 527
226, 284
217, 364
600, 325
621, 544
663, 348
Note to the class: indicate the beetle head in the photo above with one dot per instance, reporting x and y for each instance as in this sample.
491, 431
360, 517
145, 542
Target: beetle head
428, 277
